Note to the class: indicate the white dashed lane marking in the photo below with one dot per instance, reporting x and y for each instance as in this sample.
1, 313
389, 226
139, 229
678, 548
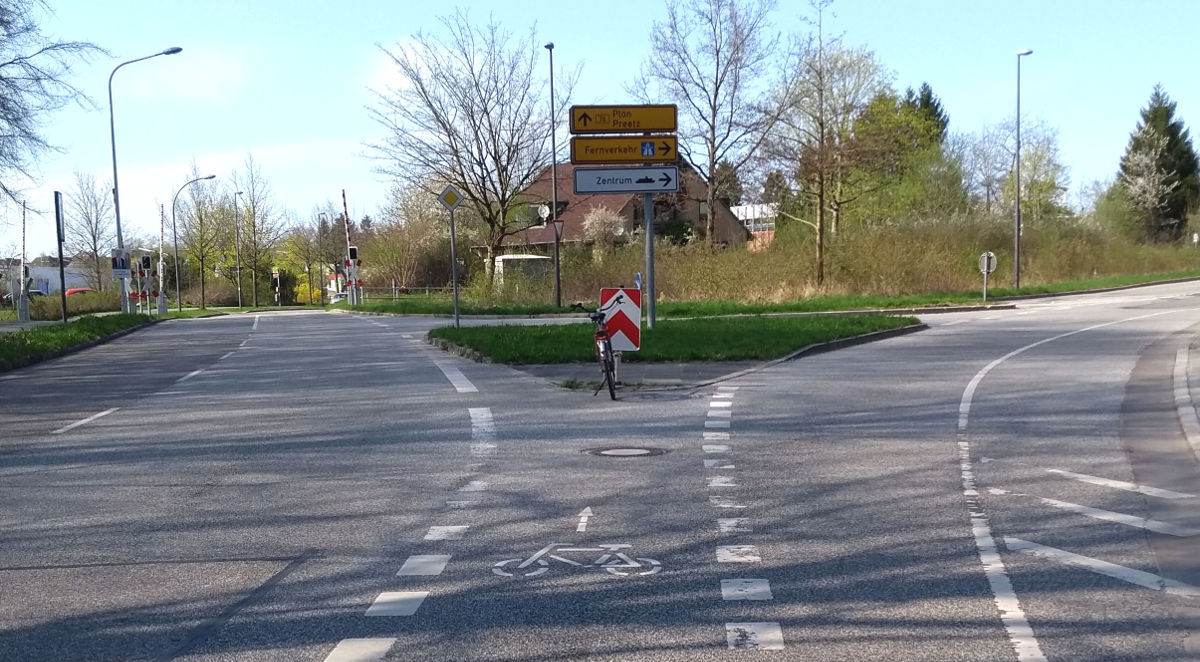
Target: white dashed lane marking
746, 589
724, 502
446, 532
733, 524
189, 376
360, 650
397, 603
462, 505
717, 448
720, 413
716, 424
710, 463
483, 431
423, 565
721, 481
457, 379
474, 486
738, 554
754, 636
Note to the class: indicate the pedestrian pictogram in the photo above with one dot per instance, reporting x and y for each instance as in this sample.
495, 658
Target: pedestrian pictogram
624, 317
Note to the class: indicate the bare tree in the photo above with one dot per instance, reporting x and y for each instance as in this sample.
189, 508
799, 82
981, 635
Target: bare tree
469, 112
712, 58
261, 228
34, 73
203, 232
814, 137
90, 232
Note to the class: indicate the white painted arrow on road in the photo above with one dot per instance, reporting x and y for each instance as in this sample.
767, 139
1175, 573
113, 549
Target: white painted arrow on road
583, 519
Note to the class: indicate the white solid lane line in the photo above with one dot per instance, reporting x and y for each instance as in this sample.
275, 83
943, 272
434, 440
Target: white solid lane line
1122, 485
754, 636
458, 380
227, 355
1138, 577
189, 376
746, 589
1121, 518
85, 421
397, 603
424, 565
360, 650
1184, 406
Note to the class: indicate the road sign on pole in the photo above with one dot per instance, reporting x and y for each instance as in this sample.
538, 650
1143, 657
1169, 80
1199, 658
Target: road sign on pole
623, 319
987, 265
656, 179
624, 119
450, 199
624, 149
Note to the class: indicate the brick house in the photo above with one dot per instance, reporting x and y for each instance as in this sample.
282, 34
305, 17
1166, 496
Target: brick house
674, 213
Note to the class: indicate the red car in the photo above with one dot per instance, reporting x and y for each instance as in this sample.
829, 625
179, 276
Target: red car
79, 290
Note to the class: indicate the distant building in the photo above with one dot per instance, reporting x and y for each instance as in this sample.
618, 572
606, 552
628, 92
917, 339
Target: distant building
759, 220
44, 278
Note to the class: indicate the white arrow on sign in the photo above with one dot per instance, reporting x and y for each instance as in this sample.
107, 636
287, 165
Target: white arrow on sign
648, 179
583, 519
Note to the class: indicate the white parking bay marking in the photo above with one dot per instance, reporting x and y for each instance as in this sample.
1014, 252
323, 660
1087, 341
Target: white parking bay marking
724, 502
458, 380
733, 524
754, 636
397, 603
1121, 518
446, 532
738, 554
361, 650
85, 421
1138, 577
721, 481
716, 448
423, 565
1122, 485
746, 589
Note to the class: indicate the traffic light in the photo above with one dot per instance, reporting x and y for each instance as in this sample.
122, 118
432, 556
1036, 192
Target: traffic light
353, 253
146, 262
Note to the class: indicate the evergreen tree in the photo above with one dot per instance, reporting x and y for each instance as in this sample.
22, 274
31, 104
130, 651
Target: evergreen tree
929, 106
1160, 150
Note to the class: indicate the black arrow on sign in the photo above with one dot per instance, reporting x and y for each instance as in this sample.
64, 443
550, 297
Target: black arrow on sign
665, 179
666, 148
584, 119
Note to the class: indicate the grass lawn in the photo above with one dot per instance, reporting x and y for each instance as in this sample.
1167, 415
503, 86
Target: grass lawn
18, 348
717, 339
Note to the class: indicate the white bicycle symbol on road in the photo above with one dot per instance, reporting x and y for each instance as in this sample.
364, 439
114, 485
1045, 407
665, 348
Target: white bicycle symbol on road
611, 559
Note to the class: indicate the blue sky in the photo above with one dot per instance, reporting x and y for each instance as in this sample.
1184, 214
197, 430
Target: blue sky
288, 81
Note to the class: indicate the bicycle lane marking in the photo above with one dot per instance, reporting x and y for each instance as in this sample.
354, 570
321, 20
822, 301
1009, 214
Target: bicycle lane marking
738, 636
1012, 616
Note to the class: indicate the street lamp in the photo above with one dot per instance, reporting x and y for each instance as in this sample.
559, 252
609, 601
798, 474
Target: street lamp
1017, 188
175, 237
554, 184
112, 134
237, 247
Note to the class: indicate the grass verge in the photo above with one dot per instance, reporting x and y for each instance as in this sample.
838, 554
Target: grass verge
19, 348
717, 339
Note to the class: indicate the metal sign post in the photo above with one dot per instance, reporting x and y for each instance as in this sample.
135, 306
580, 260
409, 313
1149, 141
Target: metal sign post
987, 264
62, 274
450, 199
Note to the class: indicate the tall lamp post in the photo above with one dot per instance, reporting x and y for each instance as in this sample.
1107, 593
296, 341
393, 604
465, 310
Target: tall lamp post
554, 184
237, 247
1017, 188
112, 133
175, 236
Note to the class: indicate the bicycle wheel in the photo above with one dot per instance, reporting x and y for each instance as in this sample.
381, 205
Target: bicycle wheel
609, 377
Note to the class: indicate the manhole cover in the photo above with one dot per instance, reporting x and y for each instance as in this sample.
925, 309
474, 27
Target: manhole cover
625, 451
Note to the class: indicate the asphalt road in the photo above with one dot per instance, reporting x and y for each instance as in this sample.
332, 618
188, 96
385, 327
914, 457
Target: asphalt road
1006, 485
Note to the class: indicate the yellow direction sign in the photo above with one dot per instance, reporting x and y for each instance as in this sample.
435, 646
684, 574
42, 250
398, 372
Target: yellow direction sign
624, 149
450, 198
623, 119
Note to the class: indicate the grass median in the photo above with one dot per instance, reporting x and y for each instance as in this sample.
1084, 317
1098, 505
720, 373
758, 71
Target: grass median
714, 339
19, 348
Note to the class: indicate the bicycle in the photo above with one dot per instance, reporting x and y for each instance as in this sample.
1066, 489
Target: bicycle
603, 341
611, 559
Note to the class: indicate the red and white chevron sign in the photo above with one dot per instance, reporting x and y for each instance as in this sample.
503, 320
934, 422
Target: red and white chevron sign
624, 319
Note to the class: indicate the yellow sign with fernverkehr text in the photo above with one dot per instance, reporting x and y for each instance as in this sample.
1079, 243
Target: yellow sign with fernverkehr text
624, 119
624, 149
